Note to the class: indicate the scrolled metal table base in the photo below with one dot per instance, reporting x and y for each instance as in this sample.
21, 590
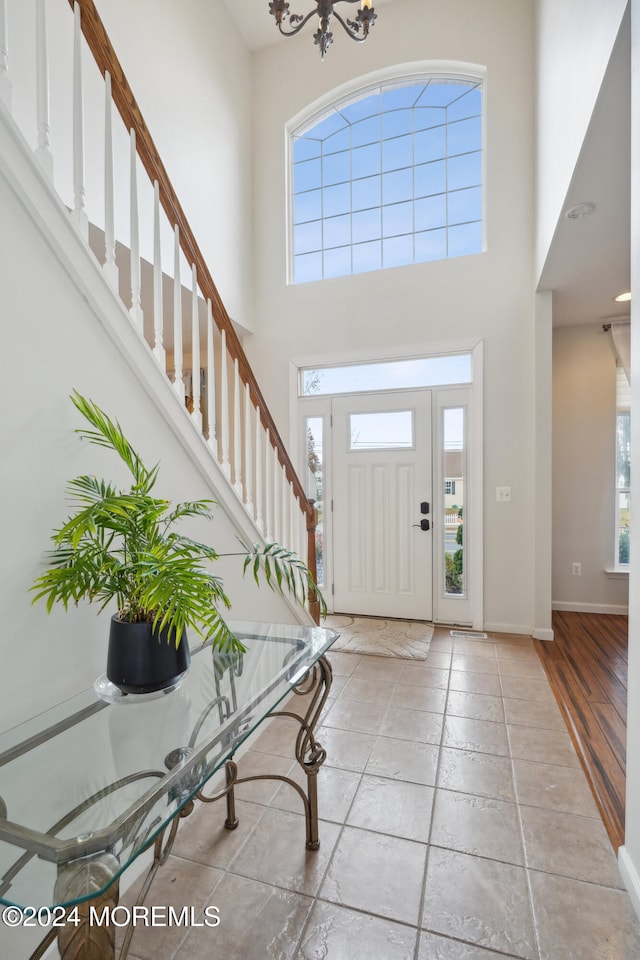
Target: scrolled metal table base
85, 942
308, 752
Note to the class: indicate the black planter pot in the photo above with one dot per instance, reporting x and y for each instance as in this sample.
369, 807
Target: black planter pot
142, 660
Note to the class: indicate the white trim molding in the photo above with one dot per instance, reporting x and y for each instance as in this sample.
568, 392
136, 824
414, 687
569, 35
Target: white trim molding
415, 71
542, 633
579, 607
631, 878
519, 628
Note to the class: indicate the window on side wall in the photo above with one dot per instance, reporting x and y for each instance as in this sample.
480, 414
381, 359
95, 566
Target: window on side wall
623, 468
389, 177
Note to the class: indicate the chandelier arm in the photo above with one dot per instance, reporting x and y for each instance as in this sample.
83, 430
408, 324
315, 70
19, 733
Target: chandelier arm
292, 33
347, 29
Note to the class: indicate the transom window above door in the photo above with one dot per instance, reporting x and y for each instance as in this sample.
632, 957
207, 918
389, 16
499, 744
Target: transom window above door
389, 177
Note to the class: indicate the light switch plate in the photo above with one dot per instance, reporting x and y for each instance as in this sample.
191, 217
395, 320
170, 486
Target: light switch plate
503, 494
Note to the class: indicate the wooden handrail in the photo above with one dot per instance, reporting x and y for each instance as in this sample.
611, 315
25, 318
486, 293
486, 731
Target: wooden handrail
107, 61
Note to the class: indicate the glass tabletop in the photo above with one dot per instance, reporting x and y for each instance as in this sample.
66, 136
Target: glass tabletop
90, 777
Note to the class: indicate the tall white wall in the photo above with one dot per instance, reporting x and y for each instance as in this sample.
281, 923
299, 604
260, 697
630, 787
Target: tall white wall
190, 72
584, 421
402, 311
574, 43
64, 329
630, 853
543, 465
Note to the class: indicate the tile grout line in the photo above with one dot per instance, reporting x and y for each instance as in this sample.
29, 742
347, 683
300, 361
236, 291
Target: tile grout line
435, 792
344, 825
532, 910
360, 775
316, 897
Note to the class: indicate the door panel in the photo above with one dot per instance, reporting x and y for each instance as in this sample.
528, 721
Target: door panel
382, 473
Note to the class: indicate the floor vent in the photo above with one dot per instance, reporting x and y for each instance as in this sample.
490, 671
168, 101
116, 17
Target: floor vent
468, 635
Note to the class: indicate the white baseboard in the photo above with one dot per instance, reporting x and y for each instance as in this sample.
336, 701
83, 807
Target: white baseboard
631, 878
538, 633
509, 628
572, 607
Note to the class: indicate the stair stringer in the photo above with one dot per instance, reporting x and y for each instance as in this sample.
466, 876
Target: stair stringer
141, 395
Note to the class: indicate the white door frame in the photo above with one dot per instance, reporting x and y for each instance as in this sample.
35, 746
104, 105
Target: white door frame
320, 406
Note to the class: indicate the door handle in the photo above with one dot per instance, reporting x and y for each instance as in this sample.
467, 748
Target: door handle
424, 524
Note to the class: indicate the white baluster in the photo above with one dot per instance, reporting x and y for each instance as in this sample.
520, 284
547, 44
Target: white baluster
268, 486
258, 460
277, 498
196, 414
158, 347
224, 406
302, 536
79, 214
178, 373
293, 520
110, 268
136, 289
43, 150
302, 532
284, 507
295, 524
5, 78
248, 451
211, 382
237, 432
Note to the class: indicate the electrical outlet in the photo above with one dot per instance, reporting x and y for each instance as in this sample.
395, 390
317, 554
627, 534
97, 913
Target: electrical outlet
576, 569
503, 494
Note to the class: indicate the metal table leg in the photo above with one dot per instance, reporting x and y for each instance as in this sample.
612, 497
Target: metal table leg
80, 937
309, 754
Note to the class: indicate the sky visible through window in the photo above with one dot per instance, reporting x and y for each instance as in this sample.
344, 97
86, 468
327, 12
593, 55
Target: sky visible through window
387, 375
390, 178
391, 429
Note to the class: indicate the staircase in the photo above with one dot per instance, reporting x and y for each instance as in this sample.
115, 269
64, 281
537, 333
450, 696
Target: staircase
173, 307
125, 318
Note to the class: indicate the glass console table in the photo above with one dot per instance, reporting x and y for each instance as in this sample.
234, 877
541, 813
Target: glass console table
87, 786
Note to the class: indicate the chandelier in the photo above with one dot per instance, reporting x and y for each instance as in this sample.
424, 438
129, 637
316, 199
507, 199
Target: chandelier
357, 29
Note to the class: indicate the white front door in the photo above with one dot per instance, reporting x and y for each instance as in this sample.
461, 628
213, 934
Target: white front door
382, 504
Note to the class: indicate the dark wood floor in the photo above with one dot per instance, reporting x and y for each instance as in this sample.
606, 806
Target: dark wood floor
587, 669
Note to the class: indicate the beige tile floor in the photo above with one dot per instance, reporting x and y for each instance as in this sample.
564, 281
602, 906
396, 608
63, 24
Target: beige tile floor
456, 825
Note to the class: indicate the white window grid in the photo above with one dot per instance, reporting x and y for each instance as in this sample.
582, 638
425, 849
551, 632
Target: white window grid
326, 224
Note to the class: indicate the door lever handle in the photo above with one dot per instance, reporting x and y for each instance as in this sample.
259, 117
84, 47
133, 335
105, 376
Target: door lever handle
424, 524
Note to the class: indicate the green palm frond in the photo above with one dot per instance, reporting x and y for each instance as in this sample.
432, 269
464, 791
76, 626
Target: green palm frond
122, 546
283, 570
192, 508
108, 433
87, 489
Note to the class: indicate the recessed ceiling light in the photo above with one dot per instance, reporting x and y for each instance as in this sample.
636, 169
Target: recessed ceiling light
623, 297
580, 210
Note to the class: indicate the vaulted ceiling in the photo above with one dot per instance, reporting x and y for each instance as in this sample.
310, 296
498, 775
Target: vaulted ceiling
589, 259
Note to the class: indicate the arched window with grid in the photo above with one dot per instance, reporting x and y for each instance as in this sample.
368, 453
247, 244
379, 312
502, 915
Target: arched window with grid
388, 177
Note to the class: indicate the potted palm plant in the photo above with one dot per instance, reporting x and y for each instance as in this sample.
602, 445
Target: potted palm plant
125, 546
